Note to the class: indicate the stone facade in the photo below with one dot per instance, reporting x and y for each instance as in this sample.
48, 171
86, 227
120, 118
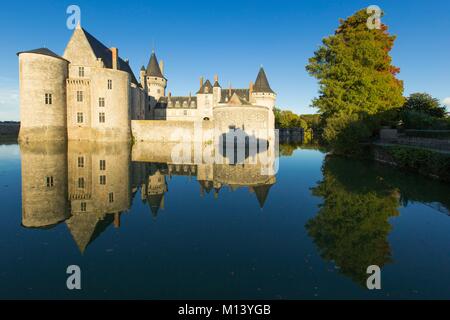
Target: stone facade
91, 94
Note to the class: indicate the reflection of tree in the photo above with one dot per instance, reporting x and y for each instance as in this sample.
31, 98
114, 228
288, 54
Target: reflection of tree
352, 225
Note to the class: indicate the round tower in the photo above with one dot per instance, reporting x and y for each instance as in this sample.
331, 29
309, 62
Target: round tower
156, 83
261, 93
43, 107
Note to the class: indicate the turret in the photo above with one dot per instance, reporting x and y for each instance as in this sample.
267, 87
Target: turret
205, 100
156, 83
261, 93
43, 107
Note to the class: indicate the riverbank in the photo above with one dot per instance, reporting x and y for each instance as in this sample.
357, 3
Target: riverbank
9, 131
428, 162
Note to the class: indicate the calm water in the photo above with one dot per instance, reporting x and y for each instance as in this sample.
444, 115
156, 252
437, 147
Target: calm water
156, 230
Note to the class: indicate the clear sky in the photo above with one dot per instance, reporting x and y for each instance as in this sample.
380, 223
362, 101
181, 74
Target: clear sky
230, 38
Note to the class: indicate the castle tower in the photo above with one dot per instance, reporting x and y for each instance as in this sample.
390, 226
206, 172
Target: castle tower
205, 100
43, 107
44, 184
262, 94
156, 83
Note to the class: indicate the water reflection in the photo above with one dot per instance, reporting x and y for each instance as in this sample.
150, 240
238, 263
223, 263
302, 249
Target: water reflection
90, 185
352, 225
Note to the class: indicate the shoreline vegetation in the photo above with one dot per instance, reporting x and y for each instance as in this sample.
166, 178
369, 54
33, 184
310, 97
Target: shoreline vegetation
9, 131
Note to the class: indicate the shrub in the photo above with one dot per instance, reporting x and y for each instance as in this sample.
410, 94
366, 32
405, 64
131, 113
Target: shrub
422, 161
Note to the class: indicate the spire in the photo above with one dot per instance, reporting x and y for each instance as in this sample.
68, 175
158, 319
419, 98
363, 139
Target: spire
153, 69
261, 193
261, 83
142, 68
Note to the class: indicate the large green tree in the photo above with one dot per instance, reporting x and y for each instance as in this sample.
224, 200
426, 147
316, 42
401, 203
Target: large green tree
357, 79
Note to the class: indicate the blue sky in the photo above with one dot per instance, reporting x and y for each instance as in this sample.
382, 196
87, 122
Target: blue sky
230, 38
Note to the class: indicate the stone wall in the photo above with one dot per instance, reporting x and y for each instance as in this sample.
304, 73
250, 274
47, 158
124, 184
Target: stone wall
168, 131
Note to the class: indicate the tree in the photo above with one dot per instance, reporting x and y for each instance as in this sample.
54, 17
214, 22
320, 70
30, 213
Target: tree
425, 103
355, 71
285, 119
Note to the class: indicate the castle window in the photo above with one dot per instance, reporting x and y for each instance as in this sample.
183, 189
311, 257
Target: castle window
49, 182
81, 72
101, 117
109, 84
83, 206
48, 98
103, 180
159, 91
185, 112
80, 162
101, 102
80, 96
80, 117
102, 165
111, 197
81, 183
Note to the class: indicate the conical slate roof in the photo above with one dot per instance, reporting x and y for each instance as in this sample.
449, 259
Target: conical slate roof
261, 193
155, 202
153, 69
261, 83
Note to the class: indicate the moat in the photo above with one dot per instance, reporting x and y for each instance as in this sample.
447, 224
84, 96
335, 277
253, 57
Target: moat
142, 227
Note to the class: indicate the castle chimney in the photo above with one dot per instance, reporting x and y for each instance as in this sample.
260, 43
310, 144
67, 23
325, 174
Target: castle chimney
170, 94
216, 78
251, 87
161, 66
115, 58
201, 82
229, 90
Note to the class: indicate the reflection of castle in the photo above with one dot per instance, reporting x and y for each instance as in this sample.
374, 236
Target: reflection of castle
98, 184
153, 167
89, 185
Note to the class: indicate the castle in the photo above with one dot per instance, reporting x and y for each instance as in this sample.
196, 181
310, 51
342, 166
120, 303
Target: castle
91, 94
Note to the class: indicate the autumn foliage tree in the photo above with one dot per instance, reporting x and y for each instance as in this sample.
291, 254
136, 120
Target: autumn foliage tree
357, 79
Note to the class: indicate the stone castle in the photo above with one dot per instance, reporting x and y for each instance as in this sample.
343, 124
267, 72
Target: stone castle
91, 94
